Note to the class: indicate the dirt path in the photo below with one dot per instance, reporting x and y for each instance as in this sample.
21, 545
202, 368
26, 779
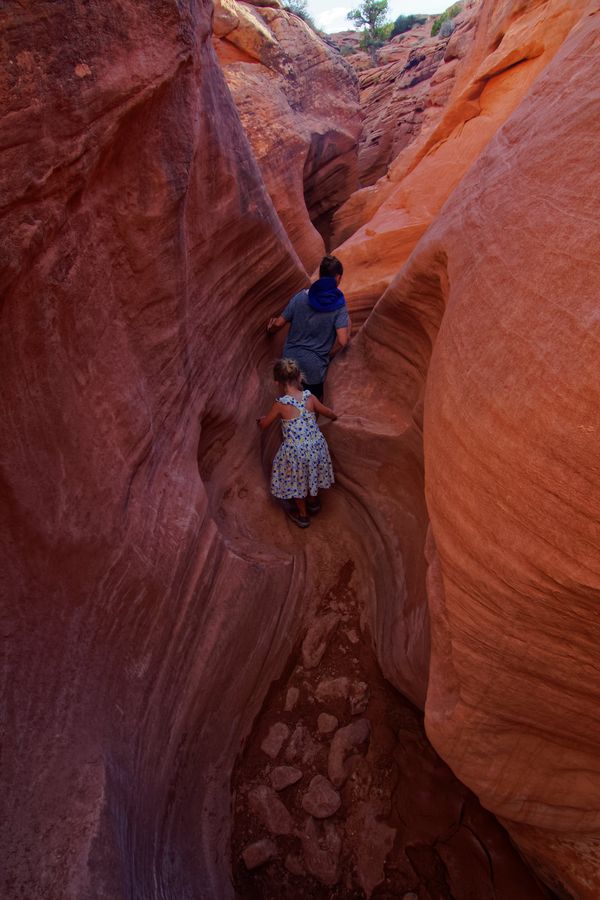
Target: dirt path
338, 793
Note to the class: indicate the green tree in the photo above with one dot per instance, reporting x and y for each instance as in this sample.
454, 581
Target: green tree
371, 14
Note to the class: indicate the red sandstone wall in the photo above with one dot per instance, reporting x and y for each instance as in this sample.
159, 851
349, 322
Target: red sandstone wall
512, 43
509, 275
298, 102
144, 620
140, 634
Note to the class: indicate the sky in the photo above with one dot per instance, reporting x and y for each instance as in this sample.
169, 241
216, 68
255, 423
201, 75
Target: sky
330, 15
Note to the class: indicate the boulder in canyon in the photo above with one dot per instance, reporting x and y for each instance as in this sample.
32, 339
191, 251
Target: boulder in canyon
275, 739
346, 744
322, 846
321, 799
259, 853
284, 776
317, 638
269, 809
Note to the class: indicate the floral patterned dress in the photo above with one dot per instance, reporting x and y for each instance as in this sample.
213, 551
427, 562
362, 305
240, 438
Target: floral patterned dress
302, 464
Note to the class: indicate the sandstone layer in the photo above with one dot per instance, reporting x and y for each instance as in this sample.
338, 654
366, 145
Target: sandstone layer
501, 297
140, 257
407, 90
298, 102
510, 45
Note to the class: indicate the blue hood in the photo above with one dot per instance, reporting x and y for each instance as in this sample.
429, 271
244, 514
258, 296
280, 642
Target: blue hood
325, 296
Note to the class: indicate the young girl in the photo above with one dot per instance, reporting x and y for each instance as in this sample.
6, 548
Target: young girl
302, 464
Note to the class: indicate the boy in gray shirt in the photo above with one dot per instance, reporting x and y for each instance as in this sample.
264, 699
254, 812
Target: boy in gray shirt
317, 317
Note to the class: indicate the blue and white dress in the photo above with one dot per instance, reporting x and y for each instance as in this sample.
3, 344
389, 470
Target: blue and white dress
302, 464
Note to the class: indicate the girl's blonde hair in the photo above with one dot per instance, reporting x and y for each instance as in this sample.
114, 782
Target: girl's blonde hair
287, 371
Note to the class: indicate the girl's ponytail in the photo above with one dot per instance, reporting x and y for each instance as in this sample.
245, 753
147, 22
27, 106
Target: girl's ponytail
286, 371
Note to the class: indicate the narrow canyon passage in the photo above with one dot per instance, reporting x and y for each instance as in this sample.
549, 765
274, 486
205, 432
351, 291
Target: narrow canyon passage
202, 702
338, 793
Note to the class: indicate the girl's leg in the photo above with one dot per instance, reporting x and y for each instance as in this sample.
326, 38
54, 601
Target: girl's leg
314, 504
301, 504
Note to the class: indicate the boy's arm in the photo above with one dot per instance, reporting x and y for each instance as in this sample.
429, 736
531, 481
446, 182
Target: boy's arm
269, 418
342, 335
322, 410
275, 324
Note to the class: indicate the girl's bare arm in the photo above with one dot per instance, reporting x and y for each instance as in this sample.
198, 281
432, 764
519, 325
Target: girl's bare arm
320, 409
269, 418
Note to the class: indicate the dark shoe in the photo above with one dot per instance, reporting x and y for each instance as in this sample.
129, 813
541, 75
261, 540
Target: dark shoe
313, 507
300, 521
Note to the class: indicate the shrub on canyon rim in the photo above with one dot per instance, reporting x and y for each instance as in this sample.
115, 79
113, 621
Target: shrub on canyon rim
405, 23
300, 8
446, 16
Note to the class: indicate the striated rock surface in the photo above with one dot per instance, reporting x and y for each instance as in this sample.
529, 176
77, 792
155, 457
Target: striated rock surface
298, 102
408, 90
509, 47
520, 577
501, 295
141, 629
152, 595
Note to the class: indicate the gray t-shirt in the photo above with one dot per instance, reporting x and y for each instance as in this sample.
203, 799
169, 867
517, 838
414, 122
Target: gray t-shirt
311, 336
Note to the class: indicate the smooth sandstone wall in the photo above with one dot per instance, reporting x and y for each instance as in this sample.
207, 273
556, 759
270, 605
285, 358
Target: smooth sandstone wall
511, 44
142, 627
492, 327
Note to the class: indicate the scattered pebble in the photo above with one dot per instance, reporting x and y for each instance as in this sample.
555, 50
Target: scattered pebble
291, 699
317, 638
333, 689
275, 817
326, 723
322, 846
359, 697
275, 739
257, 854
371, 841
301, 746
284, 776
321, 799
345, 742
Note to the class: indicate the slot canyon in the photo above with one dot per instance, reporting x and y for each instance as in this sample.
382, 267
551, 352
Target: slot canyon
200, 700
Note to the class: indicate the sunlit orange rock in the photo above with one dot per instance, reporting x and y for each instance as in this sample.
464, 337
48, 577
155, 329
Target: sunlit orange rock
491, 327
511, 45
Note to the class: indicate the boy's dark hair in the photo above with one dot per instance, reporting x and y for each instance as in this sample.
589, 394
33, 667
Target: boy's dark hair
330, 267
